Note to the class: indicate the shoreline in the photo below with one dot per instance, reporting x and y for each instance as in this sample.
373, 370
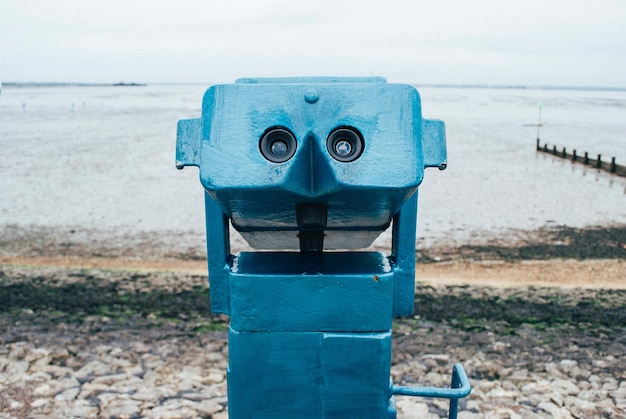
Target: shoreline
592, 257
562, 273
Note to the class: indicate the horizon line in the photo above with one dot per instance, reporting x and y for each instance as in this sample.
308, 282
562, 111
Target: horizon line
436, 85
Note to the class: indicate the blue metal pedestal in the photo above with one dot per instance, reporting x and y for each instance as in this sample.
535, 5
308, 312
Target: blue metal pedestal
309, 170
313, 341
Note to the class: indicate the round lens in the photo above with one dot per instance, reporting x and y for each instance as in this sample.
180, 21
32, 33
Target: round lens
343, 148
345, 144
278, 148
278, 144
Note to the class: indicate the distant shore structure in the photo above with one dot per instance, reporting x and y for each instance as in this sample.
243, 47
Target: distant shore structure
70, 84
585, 158
128, 84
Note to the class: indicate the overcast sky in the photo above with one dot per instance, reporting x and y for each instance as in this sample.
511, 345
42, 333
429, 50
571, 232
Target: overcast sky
519, 42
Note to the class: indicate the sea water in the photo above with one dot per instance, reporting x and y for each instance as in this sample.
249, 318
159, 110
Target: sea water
101, 159
496, 182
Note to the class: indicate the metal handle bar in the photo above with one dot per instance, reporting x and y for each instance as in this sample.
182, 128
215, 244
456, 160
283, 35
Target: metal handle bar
459, 389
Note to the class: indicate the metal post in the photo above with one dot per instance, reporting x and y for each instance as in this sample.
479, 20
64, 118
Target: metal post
310, 329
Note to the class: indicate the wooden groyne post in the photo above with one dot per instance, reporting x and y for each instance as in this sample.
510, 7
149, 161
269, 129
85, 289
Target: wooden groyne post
586, 159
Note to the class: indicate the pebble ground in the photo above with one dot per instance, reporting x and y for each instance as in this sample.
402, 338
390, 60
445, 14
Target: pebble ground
114, 344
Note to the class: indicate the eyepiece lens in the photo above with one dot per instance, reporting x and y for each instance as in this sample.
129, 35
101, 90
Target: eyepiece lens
343, 148
278, 148
278, 145
345, 144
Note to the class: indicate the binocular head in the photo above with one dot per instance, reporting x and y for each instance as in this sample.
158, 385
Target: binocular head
311, 163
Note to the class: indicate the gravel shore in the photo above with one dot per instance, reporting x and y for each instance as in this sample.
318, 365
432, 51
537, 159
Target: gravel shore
129, 344
123, 329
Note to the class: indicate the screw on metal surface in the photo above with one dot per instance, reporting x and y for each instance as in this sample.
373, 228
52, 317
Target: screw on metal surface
311, 96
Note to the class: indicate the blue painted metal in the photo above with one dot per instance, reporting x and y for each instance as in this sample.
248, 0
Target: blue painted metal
258, 196
459, 388
312, 164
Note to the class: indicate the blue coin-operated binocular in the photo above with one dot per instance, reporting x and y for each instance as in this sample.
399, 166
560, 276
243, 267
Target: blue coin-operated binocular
309, 170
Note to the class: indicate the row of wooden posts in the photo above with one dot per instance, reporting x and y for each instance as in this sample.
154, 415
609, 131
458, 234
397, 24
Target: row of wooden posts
611, 167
